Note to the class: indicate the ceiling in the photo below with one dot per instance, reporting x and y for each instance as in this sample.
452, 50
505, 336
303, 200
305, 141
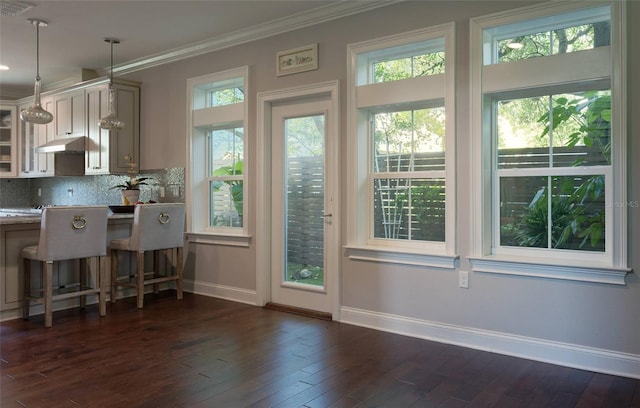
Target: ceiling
151, 32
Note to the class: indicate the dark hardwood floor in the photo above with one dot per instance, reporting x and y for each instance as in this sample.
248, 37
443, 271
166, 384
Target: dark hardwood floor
205, 352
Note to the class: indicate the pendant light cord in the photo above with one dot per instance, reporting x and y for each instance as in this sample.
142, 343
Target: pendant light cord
37, 51
111, 75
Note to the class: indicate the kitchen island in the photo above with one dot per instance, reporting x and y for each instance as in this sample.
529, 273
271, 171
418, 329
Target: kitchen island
19, 231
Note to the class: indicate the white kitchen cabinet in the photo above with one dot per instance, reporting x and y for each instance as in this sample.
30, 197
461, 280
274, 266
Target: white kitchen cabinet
70, 114
124, 144
8, 141
97, 156
33, 164
110, 152
77, 112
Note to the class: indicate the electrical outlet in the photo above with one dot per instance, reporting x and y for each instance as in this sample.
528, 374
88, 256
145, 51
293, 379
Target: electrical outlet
162, 192
174, 190
463, 279
39, 192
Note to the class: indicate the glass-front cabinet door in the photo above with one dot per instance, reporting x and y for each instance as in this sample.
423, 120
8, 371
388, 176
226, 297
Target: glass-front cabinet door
8, 156
30, 136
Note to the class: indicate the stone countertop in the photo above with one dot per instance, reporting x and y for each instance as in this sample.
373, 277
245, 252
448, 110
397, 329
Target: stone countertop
35, 218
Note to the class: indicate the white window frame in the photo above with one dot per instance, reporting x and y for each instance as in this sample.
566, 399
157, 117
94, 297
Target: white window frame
201, 119
545, 75
364, 97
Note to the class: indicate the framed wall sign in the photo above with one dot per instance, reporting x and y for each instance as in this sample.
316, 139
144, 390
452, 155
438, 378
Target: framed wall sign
297, 60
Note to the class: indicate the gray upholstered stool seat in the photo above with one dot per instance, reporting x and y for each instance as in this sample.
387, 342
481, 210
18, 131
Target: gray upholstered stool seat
67, 233
156, 227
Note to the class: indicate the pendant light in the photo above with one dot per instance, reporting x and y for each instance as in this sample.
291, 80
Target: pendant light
35, 113
111, 121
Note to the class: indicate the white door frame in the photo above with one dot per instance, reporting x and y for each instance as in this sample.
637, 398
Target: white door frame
265, 100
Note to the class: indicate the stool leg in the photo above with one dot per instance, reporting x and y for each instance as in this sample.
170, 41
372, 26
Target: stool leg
179, 271
26, 283
140, 279
114, 274
101, 275
47, 288
156, 269
83, 280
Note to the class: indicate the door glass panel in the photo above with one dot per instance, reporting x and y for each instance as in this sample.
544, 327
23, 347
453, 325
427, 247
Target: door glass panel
304, 216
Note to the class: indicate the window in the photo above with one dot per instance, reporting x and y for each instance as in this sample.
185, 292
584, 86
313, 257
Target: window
218, 153
401, 92
551, 142
225, 148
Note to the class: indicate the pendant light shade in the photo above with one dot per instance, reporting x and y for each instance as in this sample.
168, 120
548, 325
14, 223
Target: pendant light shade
35, 113
111, 121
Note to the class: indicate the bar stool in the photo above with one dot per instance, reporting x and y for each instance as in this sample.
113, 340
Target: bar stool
156, 227
67, 233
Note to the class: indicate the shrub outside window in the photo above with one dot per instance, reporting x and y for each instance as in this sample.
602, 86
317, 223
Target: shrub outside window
551, 142
402, 179
564, 209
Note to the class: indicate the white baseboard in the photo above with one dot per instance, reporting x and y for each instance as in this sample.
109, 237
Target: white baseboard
200, 288
38, 309
221, 291
564, 354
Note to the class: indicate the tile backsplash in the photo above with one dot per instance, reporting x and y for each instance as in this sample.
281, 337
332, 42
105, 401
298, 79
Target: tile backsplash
165, 185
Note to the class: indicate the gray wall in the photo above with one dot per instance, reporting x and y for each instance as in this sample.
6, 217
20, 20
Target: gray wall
591, 315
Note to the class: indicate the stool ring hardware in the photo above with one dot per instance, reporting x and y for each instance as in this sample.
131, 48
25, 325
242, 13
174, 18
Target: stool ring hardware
164, 218
79, 222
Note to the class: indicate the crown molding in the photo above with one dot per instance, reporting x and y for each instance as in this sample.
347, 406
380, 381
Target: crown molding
260, 31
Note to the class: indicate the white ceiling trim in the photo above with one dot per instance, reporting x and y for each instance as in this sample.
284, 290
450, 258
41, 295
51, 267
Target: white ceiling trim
275, 27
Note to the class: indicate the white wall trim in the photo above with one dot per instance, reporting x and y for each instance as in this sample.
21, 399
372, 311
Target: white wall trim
221, 291
565, 354
219, 239
376, 254
595, 274
265, 100
257, 32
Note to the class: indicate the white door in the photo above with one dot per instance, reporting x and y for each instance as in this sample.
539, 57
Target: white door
303, 202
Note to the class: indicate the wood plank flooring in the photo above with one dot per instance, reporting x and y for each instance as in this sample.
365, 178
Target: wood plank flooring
206, 352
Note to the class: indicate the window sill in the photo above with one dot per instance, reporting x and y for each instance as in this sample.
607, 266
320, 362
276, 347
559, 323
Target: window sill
374, 254
535, 268
239, 240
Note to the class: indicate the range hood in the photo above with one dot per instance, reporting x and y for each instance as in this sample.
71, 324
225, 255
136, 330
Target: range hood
67, 145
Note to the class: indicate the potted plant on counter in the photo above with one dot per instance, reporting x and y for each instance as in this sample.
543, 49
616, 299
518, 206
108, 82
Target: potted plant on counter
131, 189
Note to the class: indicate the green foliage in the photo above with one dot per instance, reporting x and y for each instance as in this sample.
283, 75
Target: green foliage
577, 212
235, 186
226, 96
532, 229
409, 67
132, 183
576, 218
412, 131
560, 41
428, 210
592, 114
305, 136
